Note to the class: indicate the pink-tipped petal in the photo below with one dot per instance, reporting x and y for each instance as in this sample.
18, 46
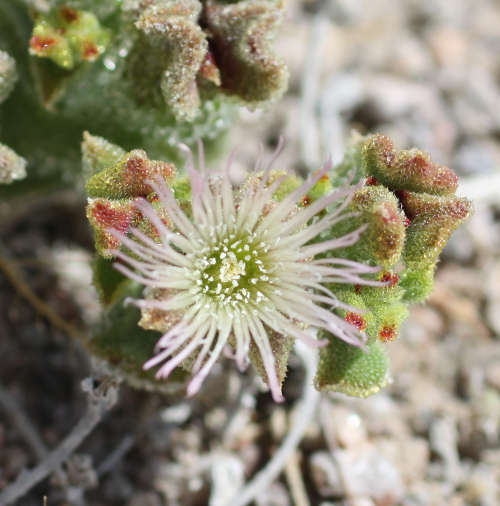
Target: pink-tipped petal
237, 265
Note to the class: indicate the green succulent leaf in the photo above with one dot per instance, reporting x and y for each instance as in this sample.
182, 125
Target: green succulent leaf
98, 154
417, 284
350, 370
108, 281
121, 342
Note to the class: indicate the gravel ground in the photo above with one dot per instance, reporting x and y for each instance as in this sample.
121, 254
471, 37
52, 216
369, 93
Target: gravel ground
425, 73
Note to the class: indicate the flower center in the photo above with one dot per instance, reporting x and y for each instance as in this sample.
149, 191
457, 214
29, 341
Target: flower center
233, 269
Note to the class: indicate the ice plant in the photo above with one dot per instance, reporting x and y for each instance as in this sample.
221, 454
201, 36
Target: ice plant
238, 269
250, 268
410, 205
148, 73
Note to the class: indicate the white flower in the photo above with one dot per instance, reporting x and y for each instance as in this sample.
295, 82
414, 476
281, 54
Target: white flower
237, 268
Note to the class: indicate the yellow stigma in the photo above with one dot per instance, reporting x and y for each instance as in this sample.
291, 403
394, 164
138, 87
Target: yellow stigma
231, 269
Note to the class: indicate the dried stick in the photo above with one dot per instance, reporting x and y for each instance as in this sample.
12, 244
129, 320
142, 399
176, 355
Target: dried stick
100, 400
21, 422
306, 407
14, 275
110, 462
295, 481
309, 144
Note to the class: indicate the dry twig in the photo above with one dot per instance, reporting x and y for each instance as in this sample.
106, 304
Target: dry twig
309, 145
21, 422
16, 278
100, 400
295, 481
306, 406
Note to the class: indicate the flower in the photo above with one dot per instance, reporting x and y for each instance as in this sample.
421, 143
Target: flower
238, 269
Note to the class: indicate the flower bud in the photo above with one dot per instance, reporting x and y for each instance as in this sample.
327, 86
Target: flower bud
68, 36
383, 241
406, 170
127, 178
433, 220
241, 40
171, 52
105, 214
389, 318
